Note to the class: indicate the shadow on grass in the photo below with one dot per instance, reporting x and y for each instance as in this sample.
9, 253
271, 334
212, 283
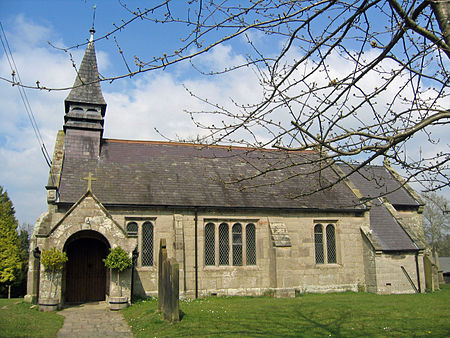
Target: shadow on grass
181, 314
333, 328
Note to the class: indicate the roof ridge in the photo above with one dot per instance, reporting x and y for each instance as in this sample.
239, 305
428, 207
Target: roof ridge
366, 166
175, 143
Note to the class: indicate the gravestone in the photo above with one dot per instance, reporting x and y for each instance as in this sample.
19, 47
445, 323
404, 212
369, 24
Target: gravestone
168, 285
162, 257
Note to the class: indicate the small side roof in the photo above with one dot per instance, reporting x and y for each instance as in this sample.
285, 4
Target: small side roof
389, 233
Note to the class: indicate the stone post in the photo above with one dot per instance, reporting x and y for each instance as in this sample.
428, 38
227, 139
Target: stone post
172, 290
161, 259
168, 285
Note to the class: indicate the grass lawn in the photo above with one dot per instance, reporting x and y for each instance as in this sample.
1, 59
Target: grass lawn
338, 314
17, 319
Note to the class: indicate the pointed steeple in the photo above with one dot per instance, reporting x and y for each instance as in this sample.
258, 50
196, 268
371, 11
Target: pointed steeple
85, 109
86, 88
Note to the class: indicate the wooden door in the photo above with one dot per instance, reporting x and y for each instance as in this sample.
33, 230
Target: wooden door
86, 272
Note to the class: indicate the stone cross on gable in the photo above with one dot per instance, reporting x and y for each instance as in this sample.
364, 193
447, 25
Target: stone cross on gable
89, 178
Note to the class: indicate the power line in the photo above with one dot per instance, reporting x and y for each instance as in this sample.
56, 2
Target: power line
23, 96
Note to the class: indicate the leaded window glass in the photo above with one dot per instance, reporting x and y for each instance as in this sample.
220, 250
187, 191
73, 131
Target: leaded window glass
237, 244
210, 244
147, 244
132, 229
250, 238
331, 244
224, 246
318, 241
228, 248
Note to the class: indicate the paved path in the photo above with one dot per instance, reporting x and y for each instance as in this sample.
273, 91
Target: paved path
93, 320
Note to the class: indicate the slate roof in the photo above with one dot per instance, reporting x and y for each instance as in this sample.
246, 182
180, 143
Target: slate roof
86, 88
177, 174
377, 181
388, 231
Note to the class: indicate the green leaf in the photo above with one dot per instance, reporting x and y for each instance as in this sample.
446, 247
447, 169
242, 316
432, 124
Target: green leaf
53, 259
118, 259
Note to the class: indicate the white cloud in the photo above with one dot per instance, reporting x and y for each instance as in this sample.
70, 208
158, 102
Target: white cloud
23, 171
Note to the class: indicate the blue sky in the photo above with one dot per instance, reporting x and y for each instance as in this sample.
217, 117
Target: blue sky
136, 106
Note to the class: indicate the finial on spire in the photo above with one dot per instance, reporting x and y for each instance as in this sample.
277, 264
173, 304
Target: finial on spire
92, 30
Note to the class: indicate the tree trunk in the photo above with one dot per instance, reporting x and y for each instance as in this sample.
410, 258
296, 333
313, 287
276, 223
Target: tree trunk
441, 9
9, 291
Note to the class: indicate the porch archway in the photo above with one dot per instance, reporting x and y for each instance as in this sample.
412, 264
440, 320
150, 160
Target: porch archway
86, 277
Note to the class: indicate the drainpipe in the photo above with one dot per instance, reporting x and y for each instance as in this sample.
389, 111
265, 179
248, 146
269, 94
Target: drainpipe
417, 271
37, 255
134, 256
196, 254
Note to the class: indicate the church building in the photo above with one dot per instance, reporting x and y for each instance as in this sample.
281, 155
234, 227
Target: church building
230, 236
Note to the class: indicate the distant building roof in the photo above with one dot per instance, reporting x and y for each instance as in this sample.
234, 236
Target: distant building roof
178, 174
444, 262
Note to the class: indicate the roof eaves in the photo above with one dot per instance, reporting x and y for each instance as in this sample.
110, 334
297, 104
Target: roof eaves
188, 206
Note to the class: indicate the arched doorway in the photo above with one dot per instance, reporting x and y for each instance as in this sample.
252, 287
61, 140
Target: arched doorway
86, 277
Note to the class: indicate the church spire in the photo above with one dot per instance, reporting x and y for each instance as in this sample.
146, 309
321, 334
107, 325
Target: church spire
85, 109
86, 88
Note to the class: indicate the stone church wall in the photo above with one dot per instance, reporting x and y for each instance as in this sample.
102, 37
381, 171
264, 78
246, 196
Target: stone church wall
370, 271
390, 276
296, 267
412, 221
281, 270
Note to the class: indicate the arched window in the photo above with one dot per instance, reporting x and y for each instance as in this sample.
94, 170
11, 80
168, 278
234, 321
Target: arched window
147, 244
132, 229
318, 241
250, 238
210, 244
237, 244
331, 244
224, 246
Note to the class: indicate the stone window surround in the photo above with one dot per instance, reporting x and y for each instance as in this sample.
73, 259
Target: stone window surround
140, 221
325, 223
230, 221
